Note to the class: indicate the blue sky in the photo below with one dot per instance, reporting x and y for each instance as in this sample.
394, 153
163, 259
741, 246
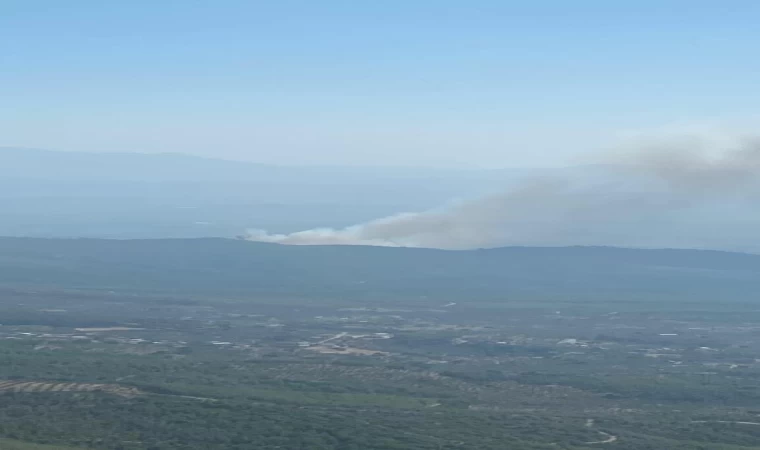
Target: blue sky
416, 82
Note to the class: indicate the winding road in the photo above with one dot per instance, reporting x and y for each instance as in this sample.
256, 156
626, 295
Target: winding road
608, 438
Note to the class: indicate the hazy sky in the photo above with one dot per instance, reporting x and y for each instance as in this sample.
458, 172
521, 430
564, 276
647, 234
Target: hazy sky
412, 82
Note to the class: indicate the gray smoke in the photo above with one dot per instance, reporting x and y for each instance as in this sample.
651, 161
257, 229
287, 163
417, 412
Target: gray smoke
675, 194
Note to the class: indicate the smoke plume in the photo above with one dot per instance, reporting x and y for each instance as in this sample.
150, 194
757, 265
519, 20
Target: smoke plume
683, 193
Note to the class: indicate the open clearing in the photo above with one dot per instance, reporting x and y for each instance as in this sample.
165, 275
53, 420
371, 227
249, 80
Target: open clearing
42, 386
345, 350
97, 330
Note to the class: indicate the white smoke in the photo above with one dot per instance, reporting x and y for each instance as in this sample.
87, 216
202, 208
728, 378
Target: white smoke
678, 193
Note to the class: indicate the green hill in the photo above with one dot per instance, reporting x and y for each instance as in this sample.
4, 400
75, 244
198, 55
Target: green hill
239, 267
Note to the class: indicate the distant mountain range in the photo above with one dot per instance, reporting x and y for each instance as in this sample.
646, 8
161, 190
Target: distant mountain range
240, 268
135, 195
31, 163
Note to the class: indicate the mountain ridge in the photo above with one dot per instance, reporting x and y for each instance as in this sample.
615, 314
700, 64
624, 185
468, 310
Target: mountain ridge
46, 193
200, 165
194, 266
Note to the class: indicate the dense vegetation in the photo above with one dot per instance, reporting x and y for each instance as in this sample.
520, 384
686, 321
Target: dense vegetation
217, 344
238, 267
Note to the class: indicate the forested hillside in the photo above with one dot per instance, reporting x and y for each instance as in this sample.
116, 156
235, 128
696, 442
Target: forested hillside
219, 265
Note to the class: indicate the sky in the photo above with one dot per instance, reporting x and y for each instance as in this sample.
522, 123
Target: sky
444, 83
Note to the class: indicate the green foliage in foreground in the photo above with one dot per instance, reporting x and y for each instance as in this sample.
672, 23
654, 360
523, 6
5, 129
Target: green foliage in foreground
190, 363
11, 444
163, 423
